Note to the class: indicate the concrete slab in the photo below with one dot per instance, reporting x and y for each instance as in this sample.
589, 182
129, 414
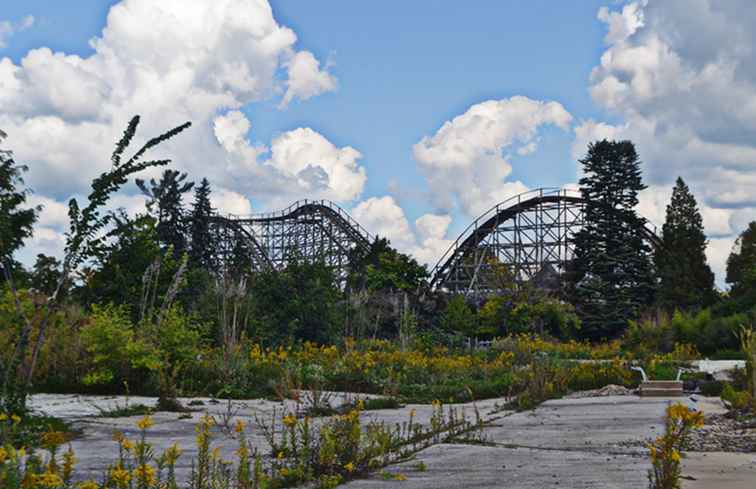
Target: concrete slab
592, 442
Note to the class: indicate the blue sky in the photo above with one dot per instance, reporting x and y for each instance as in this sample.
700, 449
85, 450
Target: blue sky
382, 77
400, 83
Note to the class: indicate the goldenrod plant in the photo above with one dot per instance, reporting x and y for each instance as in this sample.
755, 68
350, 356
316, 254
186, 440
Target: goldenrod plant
340, 448
748, 345
665, 451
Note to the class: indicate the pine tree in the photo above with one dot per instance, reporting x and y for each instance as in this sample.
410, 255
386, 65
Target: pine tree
611, 275
686, 281
16, 220
166, 200
741, 267
201, 254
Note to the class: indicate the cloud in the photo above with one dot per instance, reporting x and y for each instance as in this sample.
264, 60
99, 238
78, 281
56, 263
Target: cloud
465, 162
428, 240
8, 28
680, 77
230, 202
173, 61
383, 217
306, 79
168, 61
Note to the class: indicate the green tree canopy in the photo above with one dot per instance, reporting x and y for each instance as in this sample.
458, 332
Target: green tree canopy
201, 254
612, 277
16, 219
686, 281
741, 267
166, 203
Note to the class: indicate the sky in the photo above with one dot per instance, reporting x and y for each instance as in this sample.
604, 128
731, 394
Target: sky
416, 117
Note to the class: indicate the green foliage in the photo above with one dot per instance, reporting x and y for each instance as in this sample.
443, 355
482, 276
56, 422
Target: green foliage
298, 303
118, 275
166, 202
736, 399
612, 278
741, 269
538, 313
16, 220
459, 317
686, 281
384, 268
117, 354
660, 334
46, 274
201, 254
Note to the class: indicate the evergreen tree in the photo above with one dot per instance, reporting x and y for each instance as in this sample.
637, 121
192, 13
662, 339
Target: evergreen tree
686, 281
612, 275
46, 273
201, 254
16, 220
741, 267
166, 201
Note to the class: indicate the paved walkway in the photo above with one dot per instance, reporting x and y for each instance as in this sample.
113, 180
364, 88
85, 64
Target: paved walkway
569, 443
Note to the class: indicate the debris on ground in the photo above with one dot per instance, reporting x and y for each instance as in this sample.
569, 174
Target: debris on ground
607, 390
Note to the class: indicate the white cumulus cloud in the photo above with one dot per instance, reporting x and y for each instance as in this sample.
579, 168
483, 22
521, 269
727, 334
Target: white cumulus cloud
384, 217
172, 61
465, 161
680, 75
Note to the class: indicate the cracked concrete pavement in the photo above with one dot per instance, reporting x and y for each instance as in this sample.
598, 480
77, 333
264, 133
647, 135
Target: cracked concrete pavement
572, 443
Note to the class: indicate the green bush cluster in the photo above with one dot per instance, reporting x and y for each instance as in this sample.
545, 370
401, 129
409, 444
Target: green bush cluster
713, 336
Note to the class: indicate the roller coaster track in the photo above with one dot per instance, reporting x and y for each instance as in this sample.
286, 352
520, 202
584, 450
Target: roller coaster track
309, 230
531, 234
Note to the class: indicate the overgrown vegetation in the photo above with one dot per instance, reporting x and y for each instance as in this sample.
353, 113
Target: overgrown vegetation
666, 450
144, 301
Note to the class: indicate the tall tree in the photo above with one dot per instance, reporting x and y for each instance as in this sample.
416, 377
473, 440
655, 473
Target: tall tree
612, 277
686, 281
741, 267
45, 274
16, 219
201, 254
166, 202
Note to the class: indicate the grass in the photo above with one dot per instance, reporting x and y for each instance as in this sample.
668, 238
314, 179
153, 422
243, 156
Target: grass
124, 411
29, 432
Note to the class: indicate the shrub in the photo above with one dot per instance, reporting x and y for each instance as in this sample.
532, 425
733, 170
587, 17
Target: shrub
115, 352
665, 450
736, 399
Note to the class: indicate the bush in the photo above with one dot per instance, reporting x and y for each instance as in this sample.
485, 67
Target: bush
662, 333
116, 354
736, 399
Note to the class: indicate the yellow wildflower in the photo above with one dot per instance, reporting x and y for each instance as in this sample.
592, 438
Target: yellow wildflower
16, 419
280, 455
49, 480
89, 484
69, 460
675, 456
3, 454
349, 467
360, 404
127, 444
289, 420
145, 473
120, 476
284, 472
400, 477
3, 416
172, 453
53, 439
240, 425
145, 423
